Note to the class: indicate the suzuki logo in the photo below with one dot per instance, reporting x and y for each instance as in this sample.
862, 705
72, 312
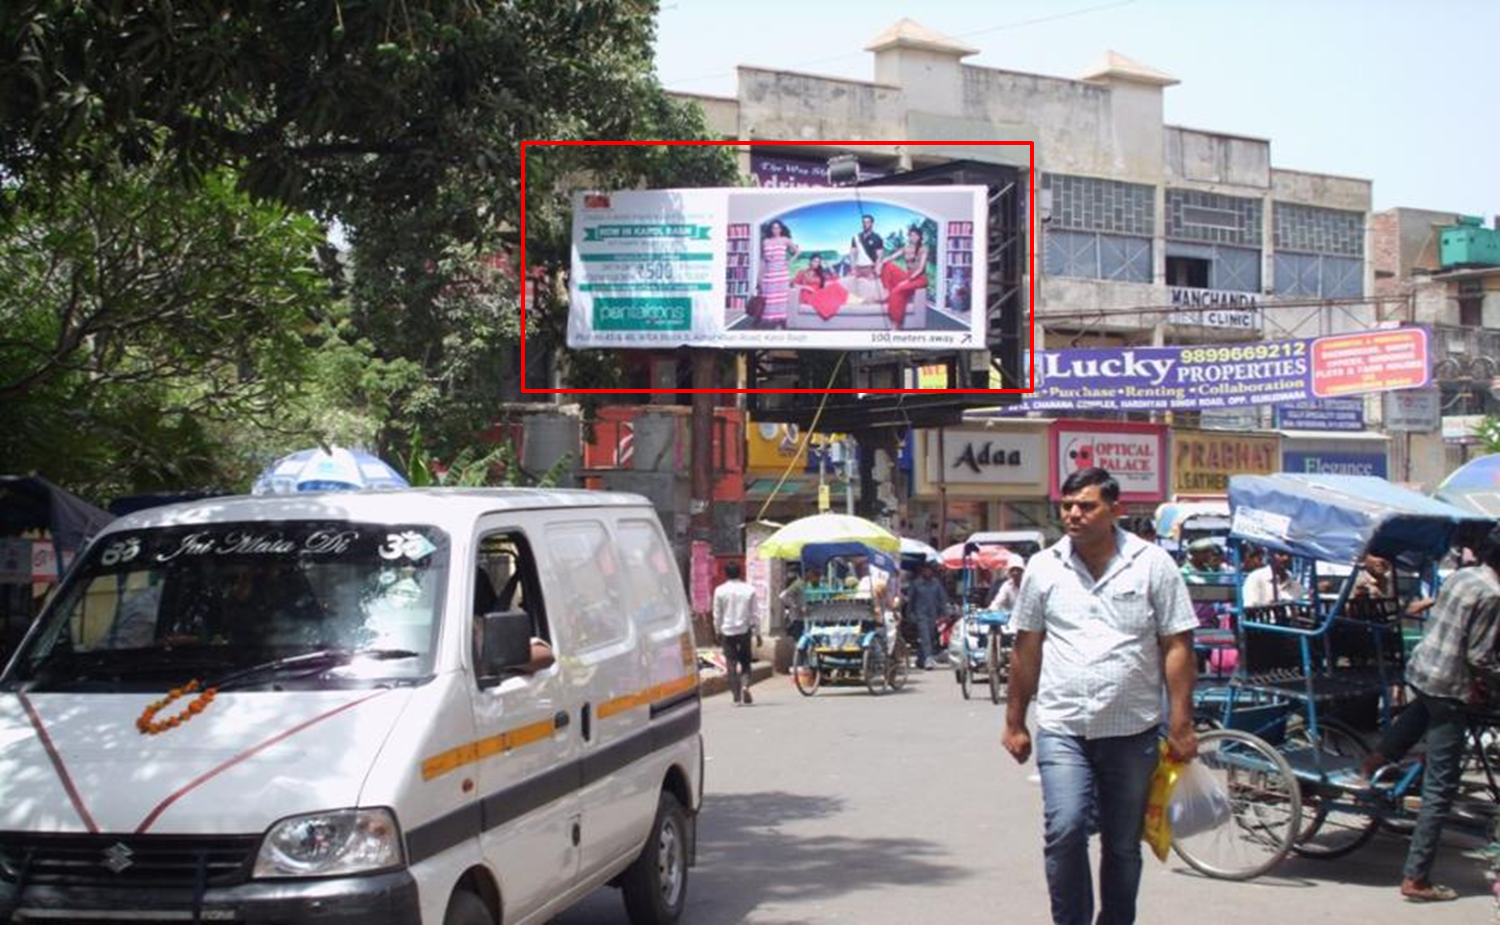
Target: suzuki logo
117, 857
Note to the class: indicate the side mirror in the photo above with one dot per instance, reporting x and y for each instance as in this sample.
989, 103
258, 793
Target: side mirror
505, 642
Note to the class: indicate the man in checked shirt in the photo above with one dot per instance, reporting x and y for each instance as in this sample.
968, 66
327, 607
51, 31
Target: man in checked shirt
1103, 622
1458, 646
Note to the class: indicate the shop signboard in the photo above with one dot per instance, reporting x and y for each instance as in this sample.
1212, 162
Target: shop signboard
1203, 461
771, 446
15, 561
655, 269
43, 561
1413, 411
1341, 463
1214, 308
1322, 414
701, 566
1229, 376
788, 172
984, 457
1135, 454
1462, 428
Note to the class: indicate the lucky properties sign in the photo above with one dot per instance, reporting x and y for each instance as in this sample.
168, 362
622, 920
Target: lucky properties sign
1227, 376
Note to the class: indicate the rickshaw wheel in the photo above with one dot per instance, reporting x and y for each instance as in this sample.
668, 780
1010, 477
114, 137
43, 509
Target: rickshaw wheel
1265, 808
896, 671
805, 672
995, 667
965, 677
1333, 830
875, 667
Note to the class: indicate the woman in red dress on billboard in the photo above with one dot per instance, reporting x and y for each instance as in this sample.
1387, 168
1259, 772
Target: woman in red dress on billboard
820, 288
901, 283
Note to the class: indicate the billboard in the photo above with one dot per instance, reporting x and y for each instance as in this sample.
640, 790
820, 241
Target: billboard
835, 269
1229, 376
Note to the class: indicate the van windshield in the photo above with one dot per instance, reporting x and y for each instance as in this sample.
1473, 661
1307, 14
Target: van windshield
259, 605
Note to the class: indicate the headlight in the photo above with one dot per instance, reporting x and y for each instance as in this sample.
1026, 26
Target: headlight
343, 841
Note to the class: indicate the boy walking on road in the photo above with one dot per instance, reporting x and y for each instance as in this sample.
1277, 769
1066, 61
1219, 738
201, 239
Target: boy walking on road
734, 618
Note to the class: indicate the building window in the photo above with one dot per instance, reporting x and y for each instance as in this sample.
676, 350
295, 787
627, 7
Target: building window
1087, 255
1318, 276
1470, 311
1213, 266
1187, 272
1205, 217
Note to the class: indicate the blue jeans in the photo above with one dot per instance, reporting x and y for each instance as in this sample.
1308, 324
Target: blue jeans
1085, 781
1444, 722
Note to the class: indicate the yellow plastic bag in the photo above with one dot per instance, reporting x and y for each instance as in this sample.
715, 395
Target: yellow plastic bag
1158, 829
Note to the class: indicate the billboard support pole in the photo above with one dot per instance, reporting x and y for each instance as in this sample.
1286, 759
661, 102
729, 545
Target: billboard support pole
702, 441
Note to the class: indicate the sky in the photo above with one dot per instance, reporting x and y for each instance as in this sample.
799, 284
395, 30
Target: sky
1400, 93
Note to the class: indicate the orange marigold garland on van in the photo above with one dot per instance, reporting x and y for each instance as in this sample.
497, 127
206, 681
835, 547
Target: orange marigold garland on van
148, 724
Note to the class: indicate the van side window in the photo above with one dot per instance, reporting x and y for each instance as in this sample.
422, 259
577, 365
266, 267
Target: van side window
505, 578
655, 590
592, 581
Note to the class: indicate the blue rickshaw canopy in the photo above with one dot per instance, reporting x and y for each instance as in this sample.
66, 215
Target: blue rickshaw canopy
1341, 518
816, 556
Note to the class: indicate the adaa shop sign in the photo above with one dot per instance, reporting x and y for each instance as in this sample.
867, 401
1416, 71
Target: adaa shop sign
1135, 454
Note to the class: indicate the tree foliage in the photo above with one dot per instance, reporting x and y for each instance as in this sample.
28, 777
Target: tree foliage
403, 123
136, 321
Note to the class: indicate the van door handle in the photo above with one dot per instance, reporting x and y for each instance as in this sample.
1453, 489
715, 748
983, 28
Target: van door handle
561, 720
584, 722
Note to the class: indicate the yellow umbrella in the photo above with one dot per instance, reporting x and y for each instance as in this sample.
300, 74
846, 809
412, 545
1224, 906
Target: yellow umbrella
787, 542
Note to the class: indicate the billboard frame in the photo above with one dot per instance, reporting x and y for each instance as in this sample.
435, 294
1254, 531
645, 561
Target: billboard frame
1031, 263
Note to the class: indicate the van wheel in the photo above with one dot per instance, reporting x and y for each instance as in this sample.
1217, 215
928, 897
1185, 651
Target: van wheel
467, 909
655, 886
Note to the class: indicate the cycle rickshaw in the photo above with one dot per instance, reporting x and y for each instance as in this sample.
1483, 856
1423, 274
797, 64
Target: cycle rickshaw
1290, 767
981, 649
847, 635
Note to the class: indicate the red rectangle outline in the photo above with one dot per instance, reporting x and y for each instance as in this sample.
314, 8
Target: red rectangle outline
1031, 258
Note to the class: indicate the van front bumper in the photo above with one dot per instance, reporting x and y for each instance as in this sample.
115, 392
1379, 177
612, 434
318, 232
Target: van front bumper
377, 899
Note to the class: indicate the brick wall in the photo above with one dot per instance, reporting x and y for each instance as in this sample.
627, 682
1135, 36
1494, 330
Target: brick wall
1385, 252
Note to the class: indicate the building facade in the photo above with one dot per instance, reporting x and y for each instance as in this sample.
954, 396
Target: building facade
1144, 232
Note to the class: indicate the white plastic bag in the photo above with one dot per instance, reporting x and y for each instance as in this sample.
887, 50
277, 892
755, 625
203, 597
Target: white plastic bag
1198, 803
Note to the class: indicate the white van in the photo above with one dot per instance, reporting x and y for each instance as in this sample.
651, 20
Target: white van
341, 708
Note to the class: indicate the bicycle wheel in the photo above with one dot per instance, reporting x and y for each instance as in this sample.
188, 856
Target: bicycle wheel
1337, 823
965, 676
992, 655
1265, 808
896, 671
874, 665
805, 672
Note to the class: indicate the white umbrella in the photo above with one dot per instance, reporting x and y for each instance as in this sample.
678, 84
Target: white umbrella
335, 469
919, 549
